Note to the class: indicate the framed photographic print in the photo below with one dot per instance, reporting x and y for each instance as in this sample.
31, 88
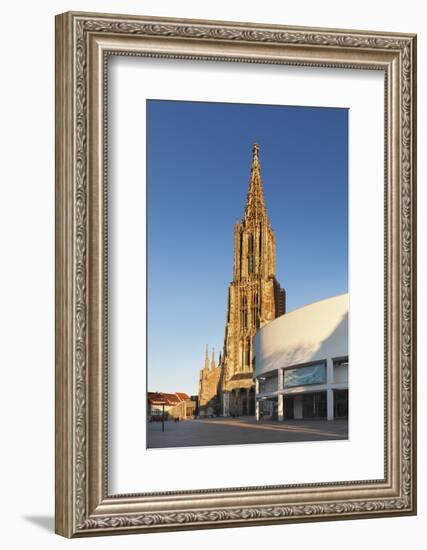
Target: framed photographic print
235, 274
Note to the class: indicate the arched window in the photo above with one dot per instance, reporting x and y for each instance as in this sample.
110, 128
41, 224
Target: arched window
251, 244
251, 258
255, 309
244, 312
248, 353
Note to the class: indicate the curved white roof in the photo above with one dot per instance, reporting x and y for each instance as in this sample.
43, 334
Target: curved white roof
311, 333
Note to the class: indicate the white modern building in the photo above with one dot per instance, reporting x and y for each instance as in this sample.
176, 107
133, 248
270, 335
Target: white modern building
301, 363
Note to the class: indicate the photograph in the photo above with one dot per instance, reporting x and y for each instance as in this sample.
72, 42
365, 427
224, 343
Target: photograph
247, 273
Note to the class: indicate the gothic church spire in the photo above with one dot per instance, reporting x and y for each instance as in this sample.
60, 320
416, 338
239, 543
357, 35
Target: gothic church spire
213, 365
255, 205
207, 358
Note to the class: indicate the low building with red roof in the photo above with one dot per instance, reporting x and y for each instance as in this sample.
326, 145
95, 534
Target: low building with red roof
177, 405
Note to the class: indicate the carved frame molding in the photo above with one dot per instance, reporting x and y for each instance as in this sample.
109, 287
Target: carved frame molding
83, 43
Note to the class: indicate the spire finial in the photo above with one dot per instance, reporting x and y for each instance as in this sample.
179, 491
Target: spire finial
255, 159
255, 149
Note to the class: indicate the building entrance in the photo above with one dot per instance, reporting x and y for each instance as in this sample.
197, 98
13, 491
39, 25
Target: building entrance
288, 405
251, 402
340, 403
314, 405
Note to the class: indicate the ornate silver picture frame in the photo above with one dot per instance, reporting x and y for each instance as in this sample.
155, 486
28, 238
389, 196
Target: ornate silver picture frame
84, 505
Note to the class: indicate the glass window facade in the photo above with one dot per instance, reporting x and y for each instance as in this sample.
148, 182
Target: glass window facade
305, 376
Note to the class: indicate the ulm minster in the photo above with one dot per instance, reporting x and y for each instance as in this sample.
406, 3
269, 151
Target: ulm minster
307, 380
254, 298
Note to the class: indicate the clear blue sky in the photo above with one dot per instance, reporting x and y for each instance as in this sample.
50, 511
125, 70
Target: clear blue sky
199, 158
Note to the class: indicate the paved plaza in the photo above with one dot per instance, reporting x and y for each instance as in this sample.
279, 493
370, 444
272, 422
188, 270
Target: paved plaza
238, 431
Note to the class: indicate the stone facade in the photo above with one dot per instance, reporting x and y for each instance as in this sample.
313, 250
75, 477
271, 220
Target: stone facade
209, 381
254, 298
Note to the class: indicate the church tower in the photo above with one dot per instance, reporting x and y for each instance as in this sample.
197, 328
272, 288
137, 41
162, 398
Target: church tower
254, 297
209, 386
